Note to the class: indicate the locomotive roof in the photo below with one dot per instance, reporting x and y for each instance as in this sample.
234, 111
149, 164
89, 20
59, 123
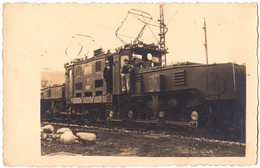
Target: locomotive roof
53, 86
139, 48
181, 65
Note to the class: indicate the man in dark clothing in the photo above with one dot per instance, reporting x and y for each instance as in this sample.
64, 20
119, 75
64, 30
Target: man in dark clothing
107, 74
125, 75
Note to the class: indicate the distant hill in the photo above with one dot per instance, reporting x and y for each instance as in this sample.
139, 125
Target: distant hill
51, 77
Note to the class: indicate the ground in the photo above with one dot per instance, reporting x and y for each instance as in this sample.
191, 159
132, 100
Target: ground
123, 142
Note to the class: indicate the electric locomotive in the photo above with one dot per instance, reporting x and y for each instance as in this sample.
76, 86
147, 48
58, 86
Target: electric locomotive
189, 94
185, 94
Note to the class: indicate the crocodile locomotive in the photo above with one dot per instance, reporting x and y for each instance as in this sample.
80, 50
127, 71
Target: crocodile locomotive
190, 94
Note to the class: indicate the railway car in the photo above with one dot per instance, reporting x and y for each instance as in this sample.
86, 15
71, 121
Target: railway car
52, 101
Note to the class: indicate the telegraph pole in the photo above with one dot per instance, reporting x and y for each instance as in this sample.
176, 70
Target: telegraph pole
163, 31
206, 43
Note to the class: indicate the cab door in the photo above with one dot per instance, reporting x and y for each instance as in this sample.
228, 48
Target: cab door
69, 83
118, 62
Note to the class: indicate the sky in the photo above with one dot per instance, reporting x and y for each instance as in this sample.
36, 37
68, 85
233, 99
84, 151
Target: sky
46, 30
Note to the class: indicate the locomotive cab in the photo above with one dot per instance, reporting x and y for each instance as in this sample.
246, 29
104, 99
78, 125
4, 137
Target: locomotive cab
140, 56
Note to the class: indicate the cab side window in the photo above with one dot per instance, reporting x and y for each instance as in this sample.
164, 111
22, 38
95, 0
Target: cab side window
98, 66
49, 93
99, 83
78, 86
78, 71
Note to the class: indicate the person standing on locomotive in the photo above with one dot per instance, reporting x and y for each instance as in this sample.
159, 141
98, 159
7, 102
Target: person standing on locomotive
126, 69
107, 74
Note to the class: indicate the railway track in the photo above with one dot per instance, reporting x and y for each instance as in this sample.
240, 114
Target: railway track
152, 130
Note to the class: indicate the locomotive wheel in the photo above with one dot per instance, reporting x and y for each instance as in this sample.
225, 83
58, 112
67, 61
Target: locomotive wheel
132, 112
87, 116
239, 123
108, 115
161, 120
129, 117
73, 116
57, 110
198, 114
48, 115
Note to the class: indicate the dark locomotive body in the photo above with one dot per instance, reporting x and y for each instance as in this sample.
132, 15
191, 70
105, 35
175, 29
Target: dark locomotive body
191, 94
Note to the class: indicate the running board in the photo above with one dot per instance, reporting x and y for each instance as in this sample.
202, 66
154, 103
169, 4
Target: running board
115, 120
63, 112
155, 122
145, 121
177, 123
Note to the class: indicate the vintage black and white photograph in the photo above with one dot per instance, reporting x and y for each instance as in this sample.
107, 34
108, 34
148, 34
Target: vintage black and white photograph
143, 80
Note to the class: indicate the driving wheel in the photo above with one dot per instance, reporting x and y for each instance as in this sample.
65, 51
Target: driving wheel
73, 116
57, 112
87, 116
198, 114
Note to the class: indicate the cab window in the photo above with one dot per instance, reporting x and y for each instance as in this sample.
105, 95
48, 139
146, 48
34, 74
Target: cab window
88, 68
78, 86
69, 73
49, 93
138, 60
78, 71
98, 66
99, 83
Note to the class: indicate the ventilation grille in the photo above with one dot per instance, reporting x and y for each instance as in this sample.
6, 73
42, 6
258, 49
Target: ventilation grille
138, 78
180, 78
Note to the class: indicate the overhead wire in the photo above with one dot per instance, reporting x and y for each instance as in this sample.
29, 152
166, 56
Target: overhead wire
171, 17
66, 50
139, 15
77, 37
